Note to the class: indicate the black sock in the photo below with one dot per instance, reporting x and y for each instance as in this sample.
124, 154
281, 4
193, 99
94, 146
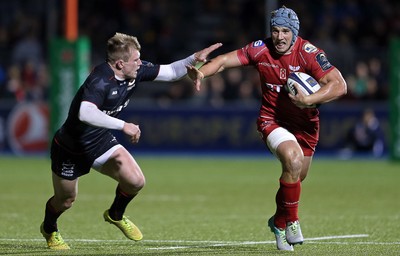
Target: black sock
50, 218
118, 207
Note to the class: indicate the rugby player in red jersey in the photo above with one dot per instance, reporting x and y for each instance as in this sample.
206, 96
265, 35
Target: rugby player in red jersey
85, 141
287, 124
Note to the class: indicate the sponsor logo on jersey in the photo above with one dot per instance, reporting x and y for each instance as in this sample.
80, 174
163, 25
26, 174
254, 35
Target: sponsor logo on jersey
323, 61
274, 87
67, 169
258, 43
113, 94
118, 109
267, 64
309, 48
131, 84
294, 68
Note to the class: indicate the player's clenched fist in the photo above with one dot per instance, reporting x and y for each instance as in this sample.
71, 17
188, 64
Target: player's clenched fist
133, 131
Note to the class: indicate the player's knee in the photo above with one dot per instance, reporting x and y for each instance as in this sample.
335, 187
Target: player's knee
293, 163
69, 202
295, 157
297, 161
65, 203
140, 182
136, 184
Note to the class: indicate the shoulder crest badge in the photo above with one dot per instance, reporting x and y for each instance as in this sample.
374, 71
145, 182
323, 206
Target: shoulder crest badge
309, 48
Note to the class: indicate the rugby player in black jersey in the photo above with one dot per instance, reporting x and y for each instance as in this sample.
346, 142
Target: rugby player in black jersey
84, 141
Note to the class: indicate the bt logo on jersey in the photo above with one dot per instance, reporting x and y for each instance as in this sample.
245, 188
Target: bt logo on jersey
274, 87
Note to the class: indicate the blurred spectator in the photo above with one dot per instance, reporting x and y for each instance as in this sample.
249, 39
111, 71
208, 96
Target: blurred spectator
380, 76
362, 79
216, 87
233, 79
34, 81
366, 137
178, 91
362, 85
14, 83
26, 78
246, 93
28, 48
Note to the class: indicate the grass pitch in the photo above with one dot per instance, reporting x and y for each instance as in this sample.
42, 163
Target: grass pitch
208, 206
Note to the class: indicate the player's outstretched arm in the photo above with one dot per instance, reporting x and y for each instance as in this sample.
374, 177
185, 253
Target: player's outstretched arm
195, 75
177, 69
216, 65
201, 56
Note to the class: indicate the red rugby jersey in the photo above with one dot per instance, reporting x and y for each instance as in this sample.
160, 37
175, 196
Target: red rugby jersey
274, 69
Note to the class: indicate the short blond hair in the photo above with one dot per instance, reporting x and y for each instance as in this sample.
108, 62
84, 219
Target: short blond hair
120, 46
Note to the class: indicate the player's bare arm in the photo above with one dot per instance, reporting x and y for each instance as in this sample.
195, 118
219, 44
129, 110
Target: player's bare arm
215, 65
333, 86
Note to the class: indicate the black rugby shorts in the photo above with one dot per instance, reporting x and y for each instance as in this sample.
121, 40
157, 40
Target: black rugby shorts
71, 165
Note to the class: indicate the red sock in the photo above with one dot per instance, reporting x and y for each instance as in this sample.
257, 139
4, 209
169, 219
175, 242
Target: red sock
287, 203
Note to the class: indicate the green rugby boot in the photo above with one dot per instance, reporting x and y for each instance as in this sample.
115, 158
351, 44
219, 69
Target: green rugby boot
54, 240
126, 226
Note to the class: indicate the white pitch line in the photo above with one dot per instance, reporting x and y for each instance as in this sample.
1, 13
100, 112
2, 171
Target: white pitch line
336, 237
220, 243
116, 241
186, 241
314, 240
359, 243
254, 242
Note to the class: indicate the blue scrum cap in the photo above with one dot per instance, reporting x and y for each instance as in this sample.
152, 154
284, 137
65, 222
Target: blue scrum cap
285, 17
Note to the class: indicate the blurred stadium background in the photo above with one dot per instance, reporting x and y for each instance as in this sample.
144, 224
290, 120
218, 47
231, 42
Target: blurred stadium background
356, 35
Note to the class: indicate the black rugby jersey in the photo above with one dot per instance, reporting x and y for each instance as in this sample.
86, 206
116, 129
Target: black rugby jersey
109, 95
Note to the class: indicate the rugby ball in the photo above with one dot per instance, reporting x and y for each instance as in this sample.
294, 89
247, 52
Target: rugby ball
307, 83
